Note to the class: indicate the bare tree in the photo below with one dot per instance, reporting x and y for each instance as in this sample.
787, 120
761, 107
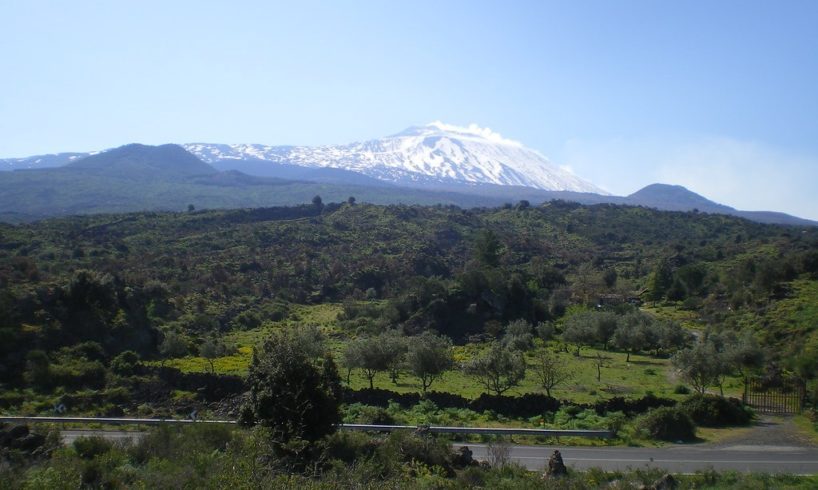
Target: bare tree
499, 452
551, 371
600, 362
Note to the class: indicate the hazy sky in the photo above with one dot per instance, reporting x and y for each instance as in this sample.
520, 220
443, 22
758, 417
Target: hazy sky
719, 96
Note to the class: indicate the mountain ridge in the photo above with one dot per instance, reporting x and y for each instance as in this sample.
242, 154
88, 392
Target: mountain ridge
138, 161
103, 181
419, 154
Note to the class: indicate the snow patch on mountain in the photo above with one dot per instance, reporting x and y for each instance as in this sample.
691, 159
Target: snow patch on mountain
436, 152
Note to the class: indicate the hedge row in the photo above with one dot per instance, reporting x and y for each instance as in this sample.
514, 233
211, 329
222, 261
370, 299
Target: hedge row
527, 405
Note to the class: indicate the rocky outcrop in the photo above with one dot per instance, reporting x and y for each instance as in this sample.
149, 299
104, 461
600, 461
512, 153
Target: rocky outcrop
556, 467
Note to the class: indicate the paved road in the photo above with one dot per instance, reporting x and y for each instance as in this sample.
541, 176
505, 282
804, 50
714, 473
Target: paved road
676, 459
69, 436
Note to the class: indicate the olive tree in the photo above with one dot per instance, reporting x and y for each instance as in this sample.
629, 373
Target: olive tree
671, 336
394, 346
702, 365
211, 349
518, 335
635, 331
498, 369
375, 354
629, 337
744, 353
172, 345
428, 357
579, 330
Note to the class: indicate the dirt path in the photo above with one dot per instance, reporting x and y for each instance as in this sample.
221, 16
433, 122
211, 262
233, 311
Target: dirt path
775, 432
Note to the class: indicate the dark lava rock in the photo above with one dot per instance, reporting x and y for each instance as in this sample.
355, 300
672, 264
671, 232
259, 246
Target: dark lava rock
31, 442
463, 458
556, 467
18, 431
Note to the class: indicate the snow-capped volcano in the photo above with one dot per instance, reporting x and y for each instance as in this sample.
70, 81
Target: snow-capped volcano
434, 153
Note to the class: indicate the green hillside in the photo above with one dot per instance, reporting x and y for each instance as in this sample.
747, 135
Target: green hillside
424, 268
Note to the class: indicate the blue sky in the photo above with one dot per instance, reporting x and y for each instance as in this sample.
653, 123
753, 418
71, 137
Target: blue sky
719, 96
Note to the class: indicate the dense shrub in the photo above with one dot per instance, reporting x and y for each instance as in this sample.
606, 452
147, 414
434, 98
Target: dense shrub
79, 373
526, 405
380, 398
716, 411
90, 447
126, 363
632, 407
410, 447
350, 446
175, 443
668, 424
448, 400
365, 414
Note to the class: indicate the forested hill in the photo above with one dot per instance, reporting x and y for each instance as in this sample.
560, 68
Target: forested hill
127, 280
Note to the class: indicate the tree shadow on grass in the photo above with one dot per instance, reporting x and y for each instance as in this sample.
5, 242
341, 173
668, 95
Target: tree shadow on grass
646, 363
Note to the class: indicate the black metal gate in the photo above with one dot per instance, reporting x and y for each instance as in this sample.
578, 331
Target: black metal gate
779, 395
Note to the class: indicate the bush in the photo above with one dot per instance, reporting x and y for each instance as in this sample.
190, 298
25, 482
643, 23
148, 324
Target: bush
545, 331
408, 447
287, 391
351, 447
126, 363
79, 373
90, 447
716, 411
668, 424
572, 410
364, 414
681, 390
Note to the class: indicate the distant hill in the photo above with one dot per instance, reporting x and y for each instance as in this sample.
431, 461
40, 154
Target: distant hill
139, 177
263, 168
678, 198
675, 198
140, 162
40, 161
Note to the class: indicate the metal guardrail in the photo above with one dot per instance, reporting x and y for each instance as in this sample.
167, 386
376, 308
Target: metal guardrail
597, 434
108, 420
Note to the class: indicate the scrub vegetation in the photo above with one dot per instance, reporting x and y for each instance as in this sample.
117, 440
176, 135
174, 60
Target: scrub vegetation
560, 316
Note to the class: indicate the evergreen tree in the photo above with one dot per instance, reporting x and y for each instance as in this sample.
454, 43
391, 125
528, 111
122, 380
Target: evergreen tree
290, 396
660, 281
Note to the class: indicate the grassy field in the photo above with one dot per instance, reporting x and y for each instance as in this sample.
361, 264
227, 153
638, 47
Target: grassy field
642, 375
687, 318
